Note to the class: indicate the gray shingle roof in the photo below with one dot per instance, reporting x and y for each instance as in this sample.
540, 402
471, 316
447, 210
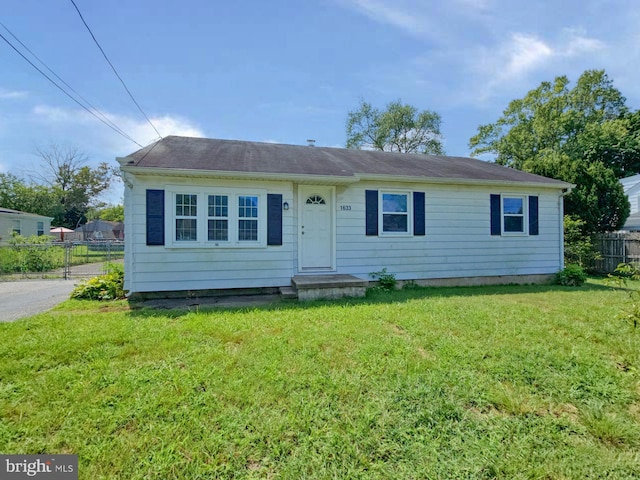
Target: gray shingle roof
187, 153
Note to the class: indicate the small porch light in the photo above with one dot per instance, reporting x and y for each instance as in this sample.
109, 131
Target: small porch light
285, 205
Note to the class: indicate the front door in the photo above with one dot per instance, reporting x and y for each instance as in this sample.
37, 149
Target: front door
316, 228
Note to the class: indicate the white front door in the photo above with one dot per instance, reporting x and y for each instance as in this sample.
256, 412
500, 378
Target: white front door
316, 227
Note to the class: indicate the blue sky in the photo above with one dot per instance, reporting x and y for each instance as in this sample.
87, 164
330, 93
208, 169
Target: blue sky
285, 71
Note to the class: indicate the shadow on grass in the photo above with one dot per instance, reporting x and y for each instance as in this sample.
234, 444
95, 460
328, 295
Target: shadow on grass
180, 307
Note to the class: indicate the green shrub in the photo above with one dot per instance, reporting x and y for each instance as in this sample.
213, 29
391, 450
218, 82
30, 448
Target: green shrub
386, 280
104, 287
571, 276
31, 254
578, 244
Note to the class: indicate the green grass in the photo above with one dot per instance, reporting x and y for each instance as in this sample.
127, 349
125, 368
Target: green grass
492, 382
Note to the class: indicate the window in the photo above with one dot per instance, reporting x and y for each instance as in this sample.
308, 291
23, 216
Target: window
395, 213
186, 217
16, 227
247, 219
218, 222
513, 214
40, 228
315, 200
217, 217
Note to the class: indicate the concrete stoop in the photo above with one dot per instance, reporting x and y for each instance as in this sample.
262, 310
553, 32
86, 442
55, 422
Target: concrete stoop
314, 287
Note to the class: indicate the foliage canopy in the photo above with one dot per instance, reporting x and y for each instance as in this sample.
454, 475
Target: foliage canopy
398, 128
65, 189
583, 135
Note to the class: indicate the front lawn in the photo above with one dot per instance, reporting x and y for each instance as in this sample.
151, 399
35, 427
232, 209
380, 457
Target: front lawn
492, 382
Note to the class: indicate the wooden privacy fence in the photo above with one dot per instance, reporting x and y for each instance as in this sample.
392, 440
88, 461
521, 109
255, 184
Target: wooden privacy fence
616, 248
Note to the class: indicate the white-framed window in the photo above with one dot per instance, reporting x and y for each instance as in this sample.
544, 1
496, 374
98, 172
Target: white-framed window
186, 221
395, 213
15, 227
40, 228
514, 215
216, 217
248, 218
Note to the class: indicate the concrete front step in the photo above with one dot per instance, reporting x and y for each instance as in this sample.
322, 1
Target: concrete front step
313, 287
288, 293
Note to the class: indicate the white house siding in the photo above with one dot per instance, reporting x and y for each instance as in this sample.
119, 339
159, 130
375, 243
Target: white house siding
457, 241
28, 225
167, 268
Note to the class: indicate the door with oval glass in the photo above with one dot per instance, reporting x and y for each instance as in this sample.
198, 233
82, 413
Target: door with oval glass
316, 228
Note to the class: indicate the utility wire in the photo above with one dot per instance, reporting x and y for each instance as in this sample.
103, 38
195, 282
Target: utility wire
114, 68
64, 91
96, 110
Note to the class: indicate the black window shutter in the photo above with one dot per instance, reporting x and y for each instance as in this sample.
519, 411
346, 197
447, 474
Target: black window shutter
371, 215
533, 215
496, 215
418, 213
155, 217
274, 219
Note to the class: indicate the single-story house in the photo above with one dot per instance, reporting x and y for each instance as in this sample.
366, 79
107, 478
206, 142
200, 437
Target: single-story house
205, 214
100, 230
21, 223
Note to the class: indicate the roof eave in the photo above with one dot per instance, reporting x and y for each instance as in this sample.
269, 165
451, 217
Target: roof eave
555, 185
334, 179
287, 177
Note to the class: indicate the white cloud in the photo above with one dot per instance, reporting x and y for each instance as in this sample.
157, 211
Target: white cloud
11, 95
390, 13
72, 120
522, 54
578, 44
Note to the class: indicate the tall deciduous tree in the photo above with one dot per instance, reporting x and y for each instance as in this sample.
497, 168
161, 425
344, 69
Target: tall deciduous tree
16, 194
76, 185
398, 128
583, 135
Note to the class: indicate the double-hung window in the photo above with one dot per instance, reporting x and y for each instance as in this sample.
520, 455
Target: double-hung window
40, 228
186, 217
218, 218
247, 218
15, 228
513, 214
395, 213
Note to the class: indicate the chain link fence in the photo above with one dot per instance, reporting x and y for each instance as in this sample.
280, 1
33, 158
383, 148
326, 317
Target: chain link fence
58, 260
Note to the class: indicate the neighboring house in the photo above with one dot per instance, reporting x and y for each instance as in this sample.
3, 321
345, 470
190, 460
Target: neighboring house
207, 214
100, 230
631, 186
632, 224
22, 223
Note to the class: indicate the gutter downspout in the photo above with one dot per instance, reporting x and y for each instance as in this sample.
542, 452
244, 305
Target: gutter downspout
565, 191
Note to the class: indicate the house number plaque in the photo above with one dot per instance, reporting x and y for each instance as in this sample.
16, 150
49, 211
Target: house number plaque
345, 207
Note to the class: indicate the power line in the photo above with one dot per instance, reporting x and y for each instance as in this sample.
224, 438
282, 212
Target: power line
114, 68
96, 110
115, 129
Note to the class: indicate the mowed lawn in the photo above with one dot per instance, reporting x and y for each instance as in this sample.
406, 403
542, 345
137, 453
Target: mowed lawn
487, 382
